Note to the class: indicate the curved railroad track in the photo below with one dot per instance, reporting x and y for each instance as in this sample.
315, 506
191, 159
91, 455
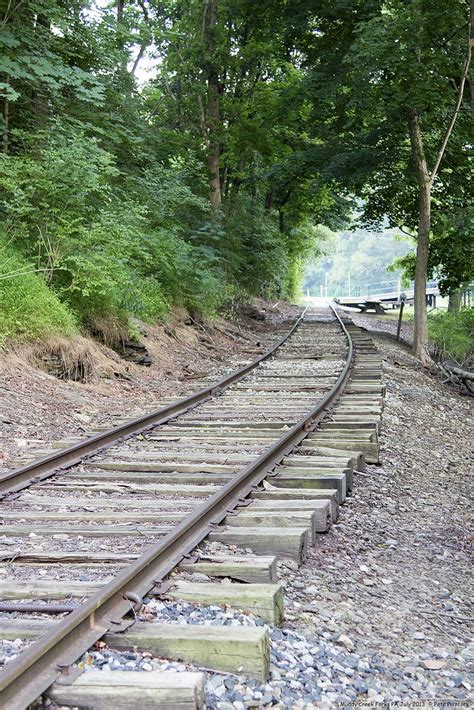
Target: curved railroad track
96, 527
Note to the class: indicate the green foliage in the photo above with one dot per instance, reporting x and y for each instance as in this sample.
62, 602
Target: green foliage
104, 183
29, 309
105, 179
111, 244
451, 257
256, 256
453, 334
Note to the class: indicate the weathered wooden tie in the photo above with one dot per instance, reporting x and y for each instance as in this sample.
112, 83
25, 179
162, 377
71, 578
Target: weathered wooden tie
122, 690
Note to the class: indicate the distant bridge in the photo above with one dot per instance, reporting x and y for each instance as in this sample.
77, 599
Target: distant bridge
386, 293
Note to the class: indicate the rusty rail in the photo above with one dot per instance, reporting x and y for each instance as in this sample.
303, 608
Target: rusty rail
46, 466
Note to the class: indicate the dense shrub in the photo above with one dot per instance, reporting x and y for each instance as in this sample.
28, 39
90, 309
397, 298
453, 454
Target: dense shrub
110, 245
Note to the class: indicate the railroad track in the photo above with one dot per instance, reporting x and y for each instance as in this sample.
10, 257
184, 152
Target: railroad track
256, 466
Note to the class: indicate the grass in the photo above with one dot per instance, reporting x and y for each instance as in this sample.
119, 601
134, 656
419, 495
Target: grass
408, 314
29, 310
453, 335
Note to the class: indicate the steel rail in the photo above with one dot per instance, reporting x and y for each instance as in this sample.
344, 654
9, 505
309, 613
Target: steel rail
46, 466
40, 665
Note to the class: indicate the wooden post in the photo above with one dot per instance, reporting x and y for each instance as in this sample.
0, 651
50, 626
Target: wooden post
400, 316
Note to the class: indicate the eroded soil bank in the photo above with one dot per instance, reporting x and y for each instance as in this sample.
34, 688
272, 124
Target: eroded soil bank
38, 408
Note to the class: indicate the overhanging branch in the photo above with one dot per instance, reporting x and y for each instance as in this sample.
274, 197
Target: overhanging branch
449, 129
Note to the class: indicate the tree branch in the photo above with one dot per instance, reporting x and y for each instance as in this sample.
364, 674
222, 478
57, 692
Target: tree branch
409, 234
449, 130
203, 22
139, 56
145, 43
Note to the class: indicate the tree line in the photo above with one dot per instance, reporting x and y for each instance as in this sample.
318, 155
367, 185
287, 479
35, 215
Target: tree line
257, 123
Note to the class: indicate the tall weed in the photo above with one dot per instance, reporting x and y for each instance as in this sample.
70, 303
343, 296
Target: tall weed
453, 335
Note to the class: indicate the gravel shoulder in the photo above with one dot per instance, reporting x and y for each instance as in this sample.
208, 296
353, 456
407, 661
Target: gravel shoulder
391, 581
382, 324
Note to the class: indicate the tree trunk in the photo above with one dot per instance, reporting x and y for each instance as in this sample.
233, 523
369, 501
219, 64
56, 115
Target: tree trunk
454, 303
40, 98
281, 221
6, 115
213, 106
214, 181
420, 337
269, 201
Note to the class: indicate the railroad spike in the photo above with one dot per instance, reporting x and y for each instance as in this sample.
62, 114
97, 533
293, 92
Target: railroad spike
134, 597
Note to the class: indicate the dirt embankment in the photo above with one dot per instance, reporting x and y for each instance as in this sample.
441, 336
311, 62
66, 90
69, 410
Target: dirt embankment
38, 407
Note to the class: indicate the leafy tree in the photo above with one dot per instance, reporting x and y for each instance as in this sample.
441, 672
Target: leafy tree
260, 122
390, 108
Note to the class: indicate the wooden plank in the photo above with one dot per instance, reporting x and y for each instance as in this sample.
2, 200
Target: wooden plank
314, 453
277, 387
137, 477
57, 556
264, 600
11, 628
47, 589
359, 409
309, 470
315, 521
153, 516
243, 569
219, 438
338, 460
163, 489
122, 502
85, 530
235, 424
349, 425
235, 649
294, 479
369, 449
174, 458
356, 434
287, 495
122, 690
321, 509
366, 388
152, 467
199, 445
293, 544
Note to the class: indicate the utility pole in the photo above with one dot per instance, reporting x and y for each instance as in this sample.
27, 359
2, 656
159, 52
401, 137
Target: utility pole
326, 283
349, 282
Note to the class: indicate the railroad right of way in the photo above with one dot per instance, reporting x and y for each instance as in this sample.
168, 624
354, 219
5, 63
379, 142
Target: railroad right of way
289, 439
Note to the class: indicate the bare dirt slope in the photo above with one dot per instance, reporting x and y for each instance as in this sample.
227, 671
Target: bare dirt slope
37, 408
